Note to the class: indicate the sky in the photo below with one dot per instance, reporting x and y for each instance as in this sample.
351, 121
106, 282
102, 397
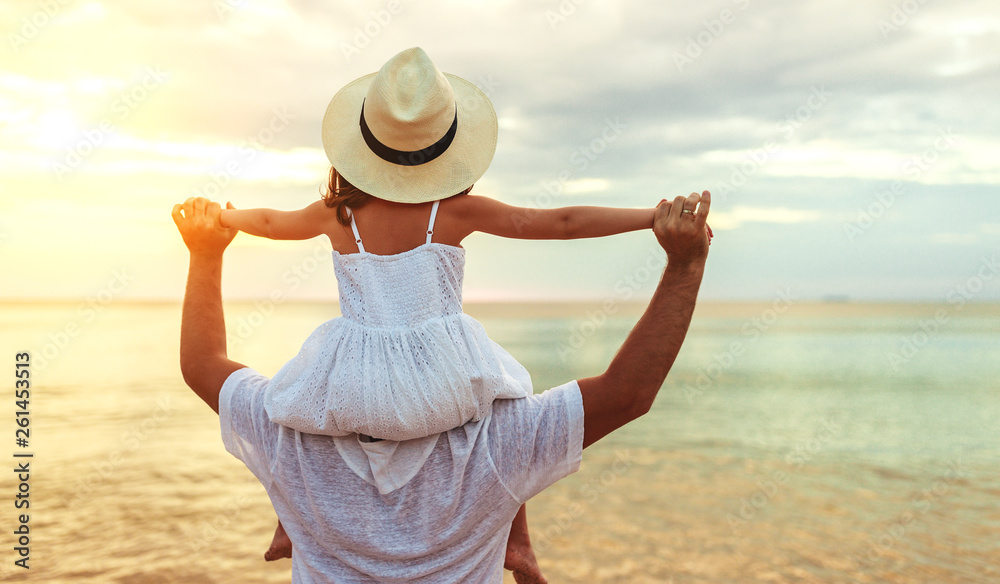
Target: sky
852, 147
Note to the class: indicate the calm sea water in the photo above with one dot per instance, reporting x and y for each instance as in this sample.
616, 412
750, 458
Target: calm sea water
791, 443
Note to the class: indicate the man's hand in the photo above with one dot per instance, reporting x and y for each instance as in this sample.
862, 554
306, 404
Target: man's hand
198, 221
681, 230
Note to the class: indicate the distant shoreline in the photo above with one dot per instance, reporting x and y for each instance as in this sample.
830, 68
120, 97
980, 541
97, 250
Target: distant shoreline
617, 308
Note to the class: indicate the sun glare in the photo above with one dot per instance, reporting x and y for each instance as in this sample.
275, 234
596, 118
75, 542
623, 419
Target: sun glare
54, 128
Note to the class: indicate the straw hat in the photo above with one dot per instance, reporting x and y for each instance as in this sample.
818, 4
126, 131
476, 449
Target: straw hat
410, 133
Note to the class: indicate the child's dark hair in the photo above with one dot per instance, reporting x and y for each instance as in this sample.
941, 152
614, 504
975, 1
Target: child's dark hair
342, 194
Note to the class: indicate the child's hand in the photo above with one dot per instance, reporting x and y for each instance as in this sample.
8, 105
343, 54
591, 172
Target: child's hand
223, 214
198, 221
681, 229
708, 227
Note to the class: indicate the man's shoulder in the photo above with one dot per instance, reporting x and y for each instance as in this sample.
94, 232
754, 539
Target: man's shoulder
241, 410
241, 388
556, 398
537, 440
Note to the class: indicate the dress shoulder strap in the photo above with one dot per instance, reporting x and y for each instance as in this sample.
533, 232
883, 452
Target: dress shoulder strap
357, 237
430, 224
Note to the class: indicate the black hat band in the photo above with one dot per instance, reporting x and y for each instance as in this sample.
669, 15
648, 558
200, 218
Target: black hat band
402, 157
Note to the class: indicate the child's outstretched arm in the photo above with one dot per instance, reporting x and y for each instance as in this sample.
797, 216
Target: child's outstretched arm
272, 224
496, 218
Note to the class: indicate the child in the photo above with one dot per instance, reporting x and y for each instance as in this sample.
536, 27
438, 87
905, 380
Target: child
404, 363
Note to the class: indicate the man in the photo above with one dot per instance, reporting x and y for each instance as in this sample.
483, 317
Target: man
450, 521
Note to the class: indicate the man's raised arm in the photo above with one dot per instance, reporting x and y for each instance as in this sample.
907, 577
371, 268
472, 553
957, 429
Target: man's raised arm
204, 362
627, 389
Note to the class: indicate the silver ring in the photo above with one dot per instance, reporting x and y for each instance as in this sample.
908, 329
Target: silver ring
688, 211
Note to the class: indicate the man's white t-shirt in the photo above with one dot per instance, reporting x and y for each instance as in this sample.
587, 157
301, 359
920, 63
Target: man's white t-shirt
449, 523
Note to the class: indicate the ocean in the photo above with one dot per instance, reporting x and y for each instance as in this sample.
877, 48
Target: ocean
792, 442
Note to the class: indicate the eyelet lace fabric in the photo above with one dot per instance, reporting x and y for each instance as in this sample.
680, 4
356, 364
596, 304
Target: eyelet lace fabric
403, 361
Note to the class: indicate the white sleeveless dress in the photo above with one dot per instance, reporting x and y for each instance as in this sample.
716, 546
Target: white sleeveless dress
403, 361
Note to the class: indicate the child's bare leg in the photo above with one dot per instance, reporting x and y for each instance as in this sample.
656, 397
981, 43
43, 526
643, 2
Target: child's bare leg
520, 557
281, 546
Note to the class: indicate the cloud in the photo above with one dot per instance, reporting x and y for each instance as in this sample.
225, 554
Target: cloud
954, 238
724, 220
558, 84
586, 185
